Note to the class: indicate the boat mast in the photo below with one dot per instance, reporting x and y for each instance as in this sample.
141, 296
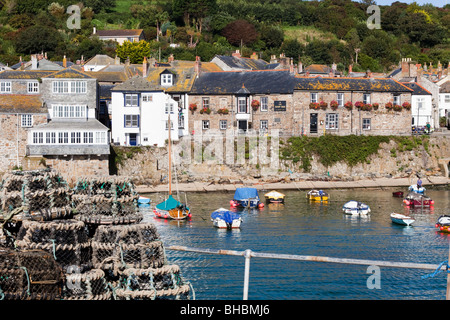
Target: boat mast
170, 157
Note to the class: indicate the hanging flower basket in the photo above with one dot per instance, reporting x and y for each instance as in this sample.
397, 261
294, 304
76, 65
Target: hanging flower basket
193, 107
397, 107
406, 105
375, 106
334, 105
255, 105
366, 107
359, 104
314, 105
348, 105
205, 110
323, 105
389, 106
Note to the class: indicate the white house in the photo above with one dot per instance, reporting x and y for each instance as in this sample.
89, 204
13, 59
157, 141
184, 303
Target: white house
444, 99
421, 105
140, 114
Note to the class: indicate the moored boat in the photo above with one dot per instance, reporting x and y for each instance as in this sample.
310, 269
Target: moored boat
142, 200
226, 219
443, 223
354, 207
401, 219
415, 199
415, 188
397, 194
246, 198
274, 197
317, 195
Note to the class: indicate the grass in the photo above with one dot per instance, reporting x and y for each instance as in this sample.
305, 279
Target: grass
307, 34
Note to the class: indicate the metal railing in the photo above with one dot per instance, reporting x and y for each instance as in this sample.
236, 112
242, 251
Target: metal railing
248, 254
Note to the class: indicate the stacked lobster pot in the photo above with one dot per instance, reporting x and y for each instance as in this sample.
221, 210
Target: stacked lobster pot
90, 240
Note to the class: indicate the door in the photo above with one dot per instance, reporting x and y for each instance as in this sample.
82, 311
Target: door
133, 139
313, 123
242, 125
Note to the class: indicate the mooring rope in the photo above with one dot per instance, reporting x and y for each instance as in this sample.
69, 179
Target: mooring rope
438, 270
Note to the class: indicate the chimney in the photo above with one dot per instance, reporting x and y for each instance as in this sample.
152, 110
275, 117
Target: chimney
171, 58
273, 59
45, 56
34, 62
300, 66
82, 59
413, 69
236, 54
94, 30
144, 68
350, 69
369, 74
197, 66
405, 67
116, 60
127, 62
64, 62
21, 63
254, 56
291, 66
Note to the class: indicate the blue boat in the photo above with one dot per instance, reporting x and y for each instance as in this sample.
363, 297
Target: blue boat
143, 200
246, 198
226, 219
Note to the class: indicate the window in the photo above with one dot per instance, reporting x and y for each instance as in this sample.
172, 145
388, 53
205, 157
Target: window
147, 97
38, 137
33, 87
169, 106
100, 137
447, 98
205, 124
88, 137
366, 98
5, 87
340, 99
366, 124
242, 105
264, 124
264, 103
69, 86
63, 137
167, 125
131, 100
397, 99
75, 137
223, 124
69, 111
131, 121
313, 96
50, 137
180, 121
420, 102
166, 79
223, 103
332, 121
26, 120
205, 103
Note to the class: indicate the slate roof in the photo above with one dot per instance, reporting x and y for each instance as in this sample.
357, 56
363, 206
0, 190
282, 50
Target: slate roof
244, 63
119, 33
418, 90
58, 124
101, 60
445, 88
256, 82
69, 73
350, 84
23, 74
135, 84
21, 103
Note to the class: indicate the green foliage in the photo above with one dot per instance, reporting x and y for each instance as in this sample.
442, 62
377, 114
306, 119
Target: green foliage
136, 51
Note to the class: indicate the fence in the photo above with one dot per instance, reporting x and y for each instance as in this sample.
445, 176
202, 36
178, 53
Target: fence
248, 254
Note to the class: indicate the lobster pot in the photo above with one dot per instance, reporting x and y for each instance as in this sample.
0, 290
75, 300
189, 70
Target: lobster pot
124, 246
37, 194
106, 201
67, 240
29, 275
89, 285
154, 283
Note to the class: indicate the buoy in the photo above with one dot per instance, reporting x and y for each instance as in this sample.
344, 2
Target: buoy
261, 205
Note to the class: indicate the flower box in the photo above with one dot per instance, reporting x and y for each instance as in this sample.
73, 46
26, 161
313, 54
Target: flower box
375, 106
314, 105
193, 106
334, 105
223, 111
397, 107
406, 105
205, 110
323, 105
348, 105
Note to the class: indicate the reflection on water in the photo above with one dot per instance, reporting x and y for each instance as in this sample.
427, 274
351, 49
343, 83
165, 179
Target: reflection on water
310, 228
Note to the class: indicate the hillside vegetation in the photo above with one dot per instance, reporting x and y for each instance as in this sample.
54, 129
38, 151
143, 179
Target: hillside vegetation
324, 32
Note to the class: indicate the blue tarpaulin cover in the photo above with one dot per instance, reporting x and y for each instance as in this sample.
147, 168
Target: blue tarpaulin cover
226, 215
246, 193
169, 204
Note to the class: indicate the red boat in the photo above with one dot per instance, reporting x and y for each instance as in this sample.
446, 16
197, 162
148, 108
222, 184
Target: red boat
398, 194
414, 199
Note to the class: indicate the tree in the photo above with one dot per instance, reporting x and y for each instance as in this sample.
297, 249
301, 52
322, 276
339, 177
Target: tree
37, 38
136, 51
240, 32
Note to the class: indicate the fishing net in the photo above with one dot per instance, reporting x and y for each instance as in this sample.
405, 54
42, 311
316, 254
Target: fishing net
108, 200
89, 285
66, 240
29, 275
115, 248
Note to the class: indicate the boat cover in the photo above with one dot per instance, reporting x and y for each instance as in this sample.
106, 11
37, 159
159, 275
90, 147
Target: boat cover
226, 215
274, 194
246, 193
169, 204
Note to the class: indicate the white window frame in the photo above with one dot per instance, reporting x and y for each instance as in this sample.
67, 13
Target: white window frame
38, 137
264, 125
147, 97
69, 111
5, 87
332, 121
366, 123
32, 87
205, 124
340, 99
66, 86
26, 120
69, 137
397, 99
50, 137
314, 97
131, 100
166, 79
242, 105
447, 98
169, 106
171, 125
420, 103
131, 121
366, 98
264, 101
223, 124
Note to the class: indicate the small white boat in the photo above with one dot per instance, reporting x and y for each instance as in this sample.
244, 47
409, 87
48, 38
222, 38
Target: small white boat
226, 219
355, 207
401, 219
143, 200
415, 188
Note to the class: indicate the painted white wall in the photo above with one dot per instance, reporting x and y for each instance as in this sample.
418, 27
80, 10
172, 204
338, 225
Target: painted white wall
444, 103
152, 119
423, 114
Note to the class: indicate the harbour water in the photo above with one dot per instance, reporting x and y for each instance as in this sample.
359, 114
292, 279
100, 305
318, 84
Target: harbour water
301, 227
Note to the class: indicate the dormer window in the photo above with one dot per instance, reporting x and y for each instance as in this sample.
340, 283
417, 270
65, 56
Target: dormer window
166, 79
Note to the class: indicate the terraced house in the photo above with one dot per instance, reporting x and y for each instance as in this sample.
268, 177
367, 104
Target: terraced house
54, 122
259, 101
